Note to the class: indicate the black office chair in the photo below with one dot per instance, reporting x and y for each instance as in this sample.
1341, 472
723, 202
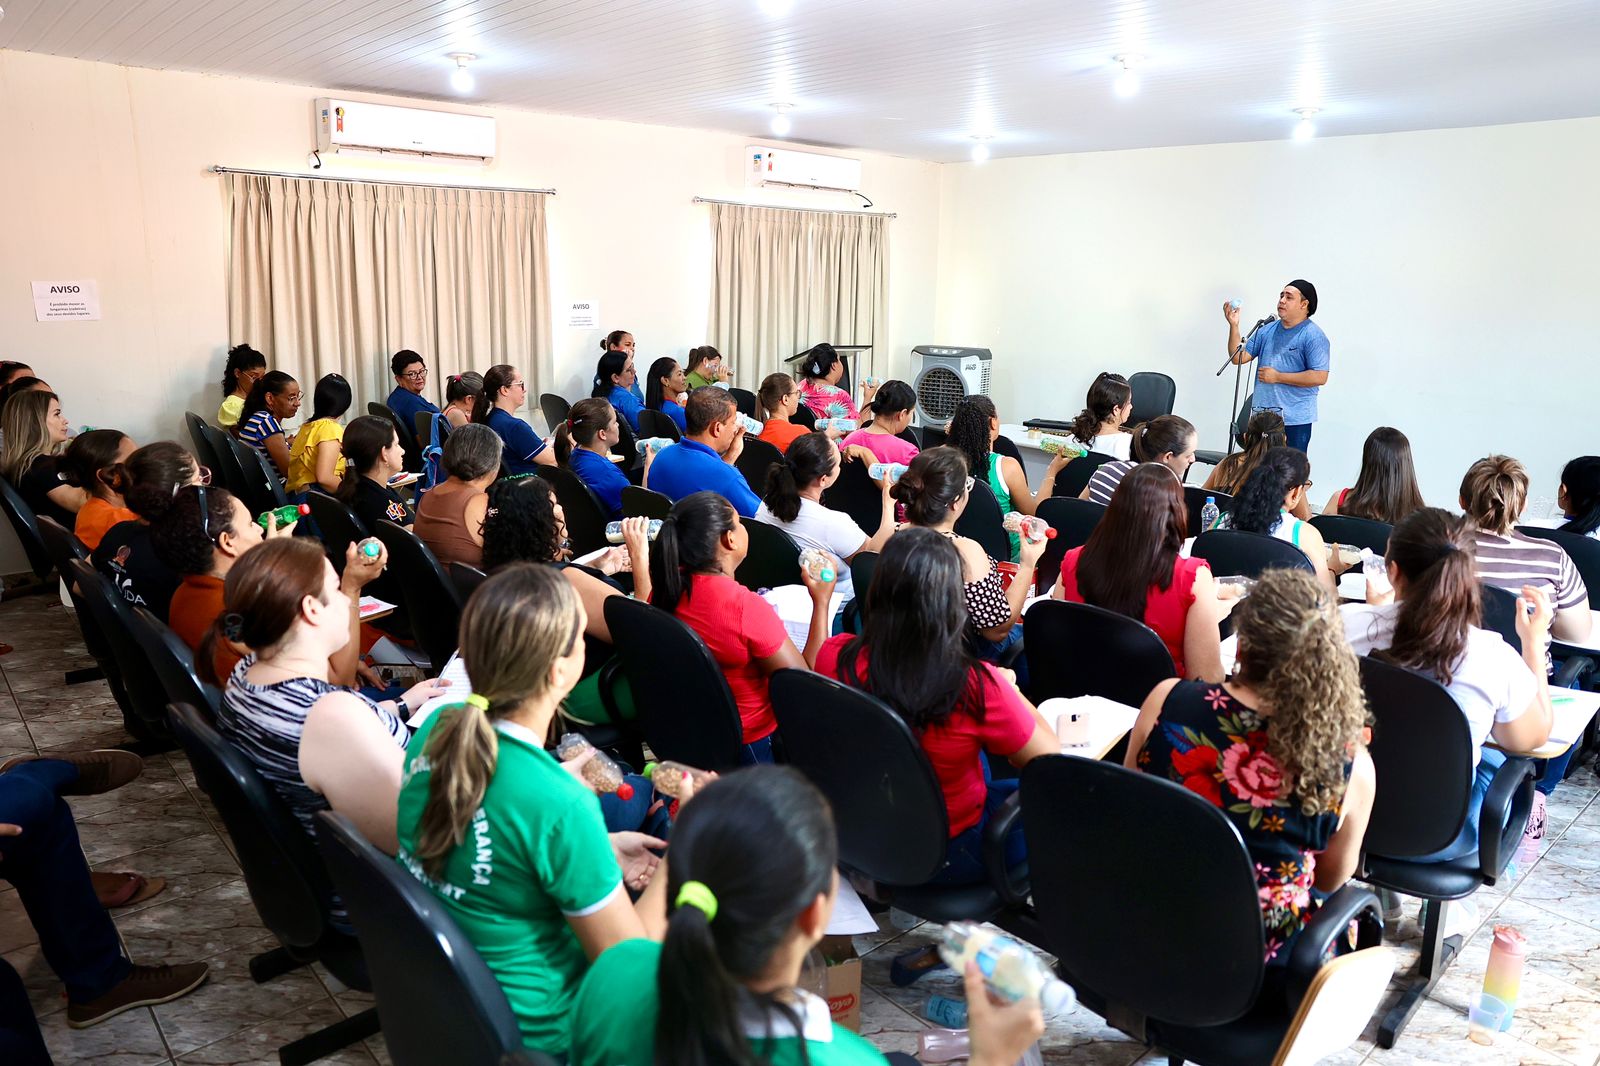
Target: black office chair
862, 567
26, 525
685, 707
933, 437
911, 437
1076, 649
586, 518
654, 423
424, 425
431, 601
1073, 520
1004, 445
147, 695
288, 885
1153, 395
1421, 805
338, 524
466, 579
555, 410
891, 813
203, 450
644, 503
803, 416
745, 400
407, 434
857, 495
1233, 552
1074, 477
773, 558
437, 999
1354, 532
63, 547
1500, 616
1582, 550
174, 664
1194, 498
1241, 420
981, 522
1138, 972
259, 485
226, 471
755, 463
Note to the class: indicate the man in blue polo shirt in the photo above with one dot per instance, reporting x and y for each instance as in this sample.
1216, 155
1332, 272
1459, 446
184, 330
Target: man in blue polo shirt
704, 458
1294, 359
410, 378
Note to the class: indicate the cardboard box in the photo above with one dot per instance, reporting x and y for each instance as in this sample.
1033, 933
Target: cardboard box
844, 981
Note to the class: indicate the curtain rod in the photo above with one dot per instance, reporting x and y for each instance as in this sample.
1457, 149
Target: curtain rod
781, 207
375, 181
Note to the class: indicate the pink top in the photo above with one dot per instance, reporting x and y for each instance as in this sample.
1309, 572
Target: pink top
1165, 610
828, 401
886, 446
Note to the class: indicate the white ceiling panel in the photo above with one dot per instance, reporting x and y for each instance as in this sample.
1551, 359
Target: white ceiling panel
919, 78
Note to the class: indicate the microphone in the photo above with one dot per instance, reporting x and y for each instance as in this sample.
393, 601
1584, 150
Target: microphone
1247, 336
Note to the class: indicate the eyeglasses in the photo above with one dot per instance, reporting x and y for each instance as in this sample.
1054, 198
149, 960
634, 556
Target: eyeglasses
415, 375
205, 514
519, 384
1309, 483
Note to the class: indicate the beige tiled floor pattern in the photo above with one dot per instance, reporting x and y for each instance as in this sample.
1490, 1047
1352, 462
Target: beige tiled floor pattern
162, 825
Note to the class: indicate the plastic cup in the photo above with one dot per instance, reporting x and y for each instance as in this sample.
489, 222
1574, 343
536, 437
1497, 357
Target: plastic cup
1485, 1017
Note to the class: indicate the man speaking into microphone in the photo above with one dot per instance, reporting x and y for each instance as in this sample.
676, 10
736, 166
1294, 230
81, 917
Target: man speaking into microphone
1293, 352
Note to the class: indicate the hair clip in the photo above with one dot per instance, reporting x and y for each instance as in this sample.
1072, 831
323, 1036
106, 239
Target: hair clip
233, 626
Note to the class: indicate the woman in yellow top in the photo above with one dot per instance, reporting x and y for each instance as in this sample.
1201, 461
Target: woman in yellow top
317, 458
244, 368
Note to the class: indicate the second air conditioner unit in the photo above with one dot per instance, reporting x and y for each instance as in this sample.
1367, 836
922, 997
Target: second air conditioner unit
943, 376
806, 170
344, 126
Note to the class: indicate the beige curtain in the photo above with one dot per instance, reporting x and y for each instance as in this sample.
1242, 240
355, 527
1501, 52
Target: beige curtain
336, 276
783, 280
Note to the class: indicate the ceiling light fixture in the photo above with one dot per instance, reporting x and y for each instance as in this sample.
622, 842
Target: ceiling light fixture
462, 80
781, 125
980, 149
1305, 129
1127, 83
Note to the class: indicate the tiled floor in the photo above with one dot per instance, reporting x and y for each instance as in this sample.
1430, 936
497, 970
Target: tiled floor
162, 825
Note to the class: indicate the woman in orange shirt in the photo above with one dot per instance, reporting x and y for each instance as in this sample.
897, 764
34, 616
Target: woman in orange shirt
779, 398
93, 463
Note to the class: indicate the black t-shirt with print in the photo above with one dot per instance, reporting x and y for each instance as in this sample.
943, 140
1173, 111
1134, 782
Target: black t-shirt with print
128, 560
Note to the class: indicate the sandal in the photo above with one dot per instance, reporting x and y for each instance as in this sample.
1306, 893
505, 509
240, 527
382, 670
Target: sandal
124, 889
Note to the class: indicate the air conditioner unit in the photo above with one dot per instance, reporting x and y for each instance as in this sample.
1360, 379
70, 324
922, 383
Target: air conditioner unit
942, 377
354, 128
805, 170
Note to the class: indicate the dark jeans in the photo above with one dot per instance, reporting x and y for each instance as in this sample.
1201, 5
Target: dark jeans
45, 865
757, 752
633, 814
1299, 437
964, 859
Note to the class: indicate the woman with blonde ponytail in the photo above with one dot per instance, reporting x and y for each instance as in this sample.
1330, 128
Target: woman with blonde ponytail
510, 839
1278, 748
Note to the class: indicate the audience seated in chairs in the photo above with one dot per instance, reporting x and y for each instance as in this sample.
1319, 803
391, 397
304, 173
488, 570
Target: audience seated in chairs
701, 544
461, 392
704, 459
794, 504
410, 379
777, 401
1165, 439
151, 477
1131, 564
664, 386
1267, 504
891, 409
616, 381
93, 463
973, 429
820, 372
1579, 496
705, 368
245, 367
316, 459
752, 883
1386, 488
1278, 749
35, 433
504, 393
1262, 433
583, 445
273, 400
553, 898
449, 520
1098, 427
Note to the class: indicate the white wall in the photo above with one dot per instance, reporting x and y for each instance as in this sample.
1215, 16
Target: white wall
105, 177
1457, 270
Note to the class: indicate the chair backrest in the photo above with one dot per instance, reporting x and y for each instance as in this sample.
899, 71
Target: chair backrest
891, 814
466, 579
1153, 395
407, 434
909, 435
1076, 649
1500, 614
174, 664
114, 617
1004, 445
63, 547
745, 400
1421, 803
1354, 532
432, 603
26, 525
555, 410
1194, 498
933, 436
862, 567
586, 518
981, 522
202, 443
645, 503
338, 524
1233, 552
1073, 520
803, 416
424, 428
773, 558
1074, 477
437, 999
1583, 551
259, 486
856, 495
755, 462
286, 880
693, 719
654, 423
226, 470
1146, 960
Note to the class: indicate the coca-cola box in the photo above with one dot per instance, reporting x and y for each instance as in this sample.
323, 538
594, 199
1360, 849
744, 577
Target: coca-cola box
843, 988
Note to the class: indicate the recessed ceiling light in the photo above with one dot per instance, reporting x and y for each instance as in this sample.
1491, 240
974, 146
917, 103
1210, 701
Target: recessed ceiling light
1305, 129
461, 80
780, 120
1127, 83
980, 149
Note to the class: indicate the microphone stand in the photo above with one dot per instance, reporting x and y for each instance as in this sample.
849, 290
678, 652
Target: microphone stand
1238, 374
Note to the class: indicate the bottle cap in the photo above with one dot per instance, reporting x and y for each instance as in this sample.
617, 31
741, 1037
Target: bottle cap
304, 508
827, 574
1509, 938
1049, 533
624, 791
371, 549
650, 769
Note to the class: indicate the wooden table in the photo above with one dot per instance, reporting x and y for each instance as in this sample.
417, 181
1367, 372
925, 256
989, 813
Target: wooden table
1574, 709
1109, 721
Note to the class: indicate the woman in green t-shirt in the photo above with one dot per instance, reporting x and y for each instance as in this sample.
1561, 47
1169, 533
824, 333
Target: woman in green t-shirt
753, 873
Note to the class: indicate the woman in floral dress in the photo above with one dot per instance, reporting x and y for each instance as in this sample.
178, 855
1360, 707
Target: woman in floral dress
1279, 747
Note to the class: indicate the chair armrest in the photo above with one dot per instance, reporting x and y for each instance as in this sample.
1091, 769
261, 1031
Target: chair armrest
994, 851
1012, 654
1321, 934
610, 677
1504, 816
1571, 672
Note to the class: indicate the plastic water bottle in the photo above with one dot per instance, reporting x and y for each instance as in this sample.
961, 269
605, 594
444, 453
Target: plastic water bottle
819, 564
751, 426
371, 548
872, 382
600, 772
945, 1012
891, 471
842, 425
614, 531
654, 444
1061, 446
1235, 304
1031, 528
289, 513
668, 777
1376, 570
1209, 514
951, 1045
1011, 971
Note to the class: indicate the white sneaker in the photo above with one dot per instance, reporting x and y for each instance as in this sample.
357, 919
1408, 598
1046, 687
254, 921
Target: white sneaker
1460, 917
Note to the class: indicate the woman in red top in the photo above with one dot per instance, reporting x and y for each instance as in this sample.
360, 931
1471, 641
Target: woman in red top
1131, 565
701, 543
93, 463
913, 655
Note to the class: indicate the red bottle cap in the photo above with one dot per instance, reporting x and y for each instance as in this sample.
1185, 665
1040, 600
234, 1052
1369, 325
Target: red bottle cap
1049, 533
625, 791
304, 508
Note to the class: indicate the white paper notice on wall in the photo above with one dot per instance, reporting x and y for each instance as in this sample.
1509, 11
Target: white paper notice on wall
583, 314
62, 301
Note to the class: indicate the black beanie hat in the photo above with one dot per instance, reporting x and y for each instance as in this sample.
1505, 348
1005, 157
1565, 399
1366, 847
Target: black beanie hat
1309, 291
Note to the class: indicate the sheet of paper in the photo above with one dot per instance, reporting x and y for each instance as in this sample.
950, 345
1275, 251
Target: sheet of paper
850, 915
793, 604
455, 672
371, 605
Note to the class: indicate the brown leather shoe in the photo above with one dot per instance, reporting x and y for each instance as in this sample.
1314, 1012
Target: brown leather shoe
98, 771
144, 987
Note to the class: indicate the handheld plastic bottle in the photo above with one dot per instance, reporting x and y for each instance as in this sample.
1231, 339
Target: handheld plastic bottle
654, 444
1235, 304
614, 531
843, 425
1061, 446
1209, 514
289, 513
1502, 979
1010, 970
668, 777
751, 426
872, 381
819, 564
371, 548
892, 471
1031, 528
602, 774
1376, 570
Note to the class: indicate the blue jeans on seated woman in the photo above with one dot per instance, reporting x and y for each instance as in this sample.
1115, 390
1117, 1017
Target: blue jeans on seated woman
1466, 841
964, 860
992, 651
756, 752
634, 814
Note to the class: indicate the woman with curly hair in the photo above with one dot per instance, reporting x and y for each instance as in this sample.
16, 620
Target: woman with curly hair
1271, 497
973, 429
245, 367
1278, 749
